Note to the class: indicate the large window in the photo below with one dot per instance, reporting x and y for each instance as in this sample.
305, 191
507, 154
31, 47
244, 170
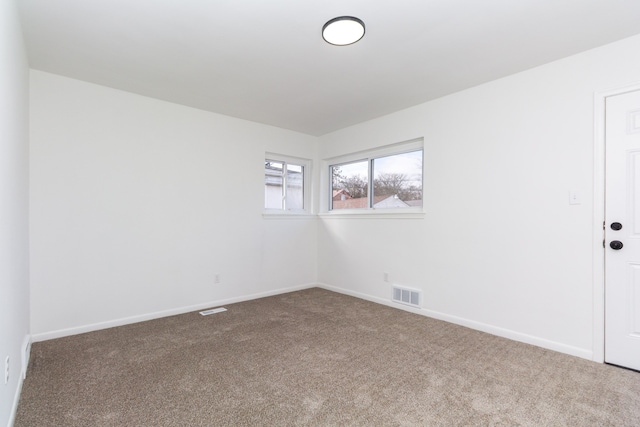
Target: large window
383, 179
285, 187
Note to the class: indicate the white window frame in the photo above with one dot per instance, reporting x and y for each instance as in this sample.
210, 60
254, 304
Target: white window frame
306, 186
368, 155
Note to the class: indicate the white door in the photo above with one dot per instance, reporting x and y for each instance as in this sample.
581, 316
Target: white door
622, 231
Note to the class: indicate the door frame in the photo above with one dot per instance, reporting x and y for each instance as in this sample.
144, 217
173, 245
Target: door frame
599, 200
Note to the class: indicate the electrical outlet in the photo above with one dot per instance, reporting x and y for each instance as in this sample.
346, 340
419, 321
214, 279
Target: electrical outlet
217, 278
385, 276
6, 370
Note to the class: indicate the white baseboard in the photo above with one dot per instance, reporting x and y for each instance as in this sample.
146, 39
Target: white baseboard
158, 314
26, 347
26, 353
16, 401
490, 329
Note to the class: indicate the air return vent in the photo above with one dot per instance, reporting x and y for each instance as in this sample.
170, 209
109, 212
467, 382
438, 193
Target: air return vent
406, 296
213, 310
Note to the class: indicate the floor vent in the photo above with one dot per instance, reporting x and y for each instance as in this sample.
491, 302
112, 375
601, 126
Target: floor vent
406, 296
213, 311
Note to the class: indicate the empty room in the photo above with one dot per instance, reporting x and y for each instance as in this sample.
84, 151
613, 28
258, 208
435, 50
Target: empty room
221, 213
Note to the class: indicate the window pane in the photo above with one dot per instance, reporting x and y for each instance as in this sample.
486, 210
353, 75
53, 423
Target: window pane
273, 180
295, 187
350, 185
397, 180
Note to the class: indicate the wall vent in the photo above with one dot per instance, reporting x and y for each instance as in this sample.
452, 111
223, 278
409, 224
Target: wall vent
406, 296
213, 311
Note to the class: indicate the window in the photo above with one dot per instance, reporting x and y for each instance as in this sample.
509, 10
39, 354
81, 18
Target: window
285, 184
388, 178
350, 185
397, 180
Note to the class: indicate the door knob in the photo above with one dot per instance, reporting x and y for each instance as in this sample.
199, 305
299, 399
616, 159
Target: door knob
616, 245
616, 226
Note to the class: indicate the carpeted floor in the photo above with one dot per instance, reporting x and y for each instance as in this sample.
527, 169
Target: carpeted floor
315, 358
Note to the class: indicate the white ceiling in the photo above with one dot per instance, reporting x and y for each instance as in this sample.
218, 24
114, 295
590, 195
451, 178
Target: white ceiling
265, 60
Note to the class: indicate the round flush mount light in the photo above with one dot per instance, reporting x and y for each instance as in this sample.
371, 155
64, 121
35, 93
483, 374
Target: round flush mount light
343, 30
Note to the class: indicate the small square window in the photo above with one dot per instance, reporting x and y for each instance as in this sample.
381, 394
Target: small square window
285, 184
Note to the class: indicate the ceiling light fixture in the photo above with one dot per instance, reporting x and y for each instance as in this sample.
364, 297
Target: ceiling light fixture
343, 30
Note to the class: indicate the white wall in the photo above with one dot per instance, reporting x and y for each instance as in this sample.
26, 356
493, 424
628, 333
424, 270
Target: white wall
137, 203
14, 239
500, 248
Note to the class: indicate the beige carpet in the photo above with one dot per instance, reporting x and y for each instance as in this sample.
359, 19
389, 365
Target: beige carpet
315, 357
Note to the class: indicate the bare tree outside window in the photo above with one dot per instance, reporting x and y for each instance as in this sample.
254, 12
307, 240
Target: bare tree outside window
396, 182
350, 185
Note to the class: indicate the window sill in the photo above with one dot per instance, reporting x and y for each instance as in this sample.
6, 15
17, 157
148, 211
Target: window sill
350, 214
288, 215
373, 214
